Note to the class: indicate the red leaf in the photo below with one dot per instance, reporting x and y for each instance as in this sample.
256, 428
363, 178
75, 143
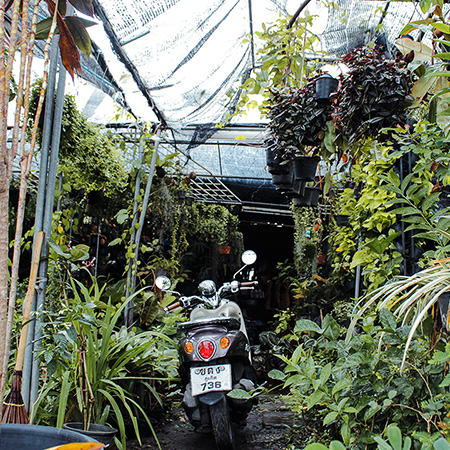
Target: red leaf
69, 52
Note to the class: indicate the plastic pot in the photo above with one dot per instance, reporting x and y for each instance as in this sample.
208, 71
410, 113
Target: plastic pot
101, 433
310, 198
305, 167
325, 86
37, 437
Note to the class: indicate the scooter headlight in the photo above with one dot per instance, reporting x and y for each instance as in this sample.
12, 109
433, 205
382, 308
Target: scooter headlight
206, 349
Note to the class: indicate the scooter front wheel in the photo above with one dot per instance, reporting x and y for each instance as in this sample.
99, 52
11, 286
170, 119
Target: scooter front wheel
221, 425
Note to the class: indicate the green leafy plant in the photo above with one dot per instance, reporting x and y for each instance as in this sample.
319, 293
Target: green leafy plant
283, 63
296, 120
355, 386
92, 362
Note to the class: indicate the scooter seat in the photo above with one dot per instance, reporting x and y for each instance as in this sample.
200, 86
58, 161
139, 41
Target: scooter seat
229, 322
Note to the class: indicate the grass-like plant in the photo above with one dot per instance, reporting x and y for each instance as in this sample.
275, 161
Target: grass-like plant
92, 376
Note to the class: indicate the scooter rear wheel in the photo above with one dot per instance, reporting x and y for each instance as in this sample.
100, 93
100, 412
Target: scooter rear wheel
221, 425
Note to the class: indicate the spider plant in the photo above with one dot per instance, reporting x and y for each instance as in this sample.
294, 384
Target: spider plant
408, 297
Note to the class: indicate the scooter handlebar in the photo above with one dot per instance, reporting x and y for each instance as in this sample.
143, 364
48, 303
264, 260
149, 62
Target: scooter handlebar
172, 306
249, 284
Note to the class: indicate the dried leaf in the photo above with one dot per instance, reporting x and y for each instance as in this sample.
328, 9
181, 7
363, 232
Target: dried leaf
69, 52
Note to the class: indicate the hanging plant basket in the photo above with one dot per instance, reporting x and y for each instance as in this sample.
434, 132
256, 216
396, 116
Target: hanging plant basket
296, 120
305, 167
310, 197
325, 86
285, 177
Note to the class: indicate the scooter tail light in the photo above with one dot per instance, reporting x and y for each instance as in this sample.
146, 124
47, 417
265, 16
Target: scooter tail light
206, 349
188, 347
224, 342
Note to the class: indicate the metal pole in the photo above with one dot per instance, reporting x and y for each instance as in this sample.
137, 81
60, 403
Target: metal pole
137, 188
97, 248
40, 203
47, 226
252, 43
130, 305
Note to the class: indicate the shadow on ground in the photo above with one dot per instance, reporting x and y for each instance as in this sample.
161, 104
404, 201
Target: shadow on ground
268, 428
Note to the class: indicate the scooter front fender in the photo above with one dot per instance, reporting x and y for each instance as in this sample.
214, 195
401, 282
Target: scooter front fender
211, 398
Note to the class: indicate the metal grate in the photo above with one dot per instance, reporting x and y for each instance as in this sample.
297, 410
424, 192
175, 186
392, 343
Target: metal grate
212, 190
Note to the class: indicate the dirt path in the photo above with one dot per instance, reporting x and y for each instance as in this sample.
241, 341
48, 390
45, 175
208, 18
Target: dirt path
268, 428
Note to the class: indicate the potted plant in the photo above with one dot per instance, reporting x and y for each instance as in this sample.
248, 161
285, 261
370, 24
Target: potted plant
92, 366
296, 120
373, 94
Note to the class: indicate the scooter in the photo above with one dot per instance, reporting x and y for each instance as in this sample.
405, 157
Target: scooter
215, 357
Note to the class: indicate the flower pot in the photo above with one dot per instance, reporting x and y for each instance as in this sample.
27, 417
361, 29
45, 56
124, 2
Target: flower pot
224, 249
101, 433
321, 258
283, 179
272, 158
325, 86
37, 437
341, 220
276, 165
310, 198
305, 167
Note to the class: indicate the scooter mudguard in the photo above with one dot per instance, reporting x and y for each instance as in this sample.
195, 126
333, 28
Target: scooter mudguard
211, 398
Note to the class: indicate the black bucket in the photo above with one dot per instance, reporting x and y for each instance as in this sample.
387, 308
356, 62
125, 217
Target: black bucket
37, 437
100, 433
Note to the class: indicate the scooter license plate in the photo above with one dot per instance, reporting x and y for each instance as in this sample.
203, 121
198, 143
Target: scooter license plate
210, 378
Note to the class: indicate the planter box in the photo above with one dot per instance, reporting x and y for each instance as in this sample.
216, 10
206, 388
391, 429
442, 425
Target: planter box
37, 437
305, 167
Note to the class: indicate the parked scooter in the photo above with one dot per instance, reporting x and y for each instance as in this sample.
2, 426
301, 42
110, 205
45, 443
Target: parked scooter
215, 357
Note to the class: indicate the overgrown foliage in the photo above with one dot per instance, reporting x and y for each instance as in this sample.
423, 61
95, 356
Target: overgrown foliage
351, 390
373, 94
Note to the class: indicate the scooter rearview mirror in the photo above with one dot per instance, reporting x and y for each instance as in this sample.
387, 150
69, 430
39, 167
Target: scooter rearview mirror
163, 283
248, 257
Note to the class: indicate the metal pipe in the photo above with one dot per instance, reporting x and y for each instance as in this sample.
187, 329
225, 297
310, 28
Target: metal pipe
137, 188
47, 227
148, 188
40, 204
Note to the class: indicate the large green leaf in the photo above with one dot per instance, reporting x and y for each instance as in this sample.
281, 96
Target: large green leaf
305, 326
79, 34
84, 6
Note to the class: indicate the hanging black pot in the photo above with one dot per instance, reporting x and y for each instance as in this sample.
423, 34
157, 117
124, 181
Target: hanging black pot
305, 167
341, 220
275, 164
310, 197
325, 86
